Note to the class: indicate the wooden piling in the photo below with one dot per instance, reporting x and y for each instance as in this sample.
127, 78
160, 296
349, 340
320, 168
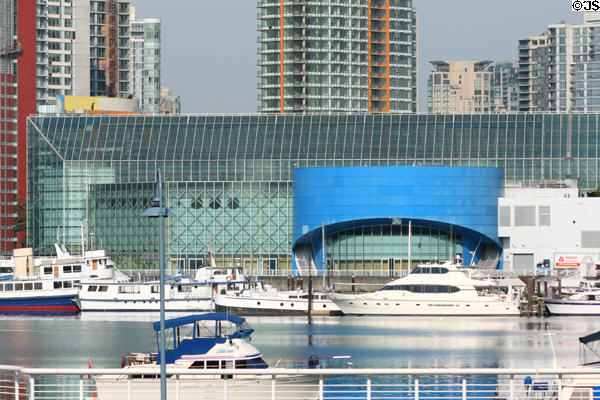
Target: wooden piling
530, 288
309, 300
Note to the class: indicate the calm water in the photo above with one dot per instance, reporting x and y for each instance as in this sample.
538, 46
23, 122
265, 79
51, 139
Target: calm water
371, 341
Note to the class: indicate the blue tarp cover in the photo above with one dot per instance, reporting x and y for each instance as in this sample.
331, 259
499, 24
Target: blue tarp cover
190, 319
590, 338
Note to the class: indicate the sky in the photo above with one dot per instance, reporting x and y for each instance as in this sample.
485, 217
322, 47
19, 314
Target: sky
209, 46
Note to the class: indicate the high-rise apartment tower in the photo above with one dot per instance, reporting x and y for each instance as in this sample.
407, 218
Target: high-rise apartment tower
559, 69
337, 56
459, 87
109, 48
145, 63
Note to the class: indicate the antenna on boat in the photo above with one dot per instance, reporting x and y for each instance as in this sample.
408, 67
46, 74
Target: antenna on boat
82, 239
554, 359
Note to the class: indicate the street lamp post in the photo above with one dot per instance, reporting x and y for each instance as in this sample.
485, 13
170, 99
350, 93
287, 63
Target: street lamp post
158, 211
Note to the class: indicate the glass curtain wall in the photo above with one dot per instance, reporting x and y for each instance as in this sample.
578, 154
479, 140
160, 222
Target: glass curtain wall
228, 177
384, 249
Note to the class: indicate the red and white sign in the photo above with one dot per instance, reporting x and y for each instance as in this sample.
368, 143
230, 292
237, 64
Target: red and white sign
565, 260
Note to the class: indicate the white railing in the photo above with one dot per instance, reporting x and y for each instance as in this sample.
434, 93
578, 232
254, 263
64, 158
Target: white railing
275, 383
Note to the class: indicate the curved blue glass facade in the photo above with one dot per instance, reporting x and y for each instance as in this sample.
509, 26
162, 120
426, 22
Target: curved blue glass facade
461, 201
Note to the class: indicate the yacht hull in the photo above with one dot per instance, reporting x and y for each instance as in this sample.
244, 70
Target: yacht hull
61, 303
279, 304
143, 305
353, 305
202, 386
573, 307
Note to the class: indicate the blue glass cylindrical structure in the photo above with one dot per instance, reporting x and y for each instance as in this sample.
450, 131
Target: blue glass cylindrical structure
459, 199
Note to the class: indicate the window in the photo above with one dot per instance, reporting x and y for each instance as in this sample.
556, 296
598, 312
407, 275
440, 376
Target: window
37, 285
76, 268
57, 285
504, 216
67, 284
29, 286
524, 215
47, 270
67, 269
18, 286
92, 288
430, 289
103, 288
8, 287
129, 289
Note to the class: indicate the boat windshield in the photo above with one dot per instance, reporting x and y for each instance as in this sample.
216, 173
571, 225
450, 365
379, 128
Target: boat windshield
420, 269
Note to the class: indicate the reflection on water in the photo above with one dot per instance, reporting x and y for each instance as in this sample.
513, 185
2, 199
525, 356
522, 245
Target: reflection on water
371, 341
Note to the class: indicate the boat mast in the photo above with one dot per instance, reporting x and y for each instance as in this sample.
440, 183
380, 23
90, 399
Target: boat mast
409, 246
82, 239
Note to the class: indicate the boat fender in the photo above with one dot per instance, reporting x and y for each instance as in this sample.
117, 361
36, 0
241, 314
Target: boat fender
122, 361
228, 279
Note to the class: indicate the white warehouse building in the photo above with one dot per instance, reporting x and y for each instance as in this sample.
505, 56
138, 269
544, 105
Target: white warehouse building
551, 226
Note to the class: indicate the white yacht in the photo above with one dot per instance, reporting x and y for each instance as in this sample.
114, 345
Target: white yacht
50, 284
220, 342
261, 299
430, 289
182, 293
585, 301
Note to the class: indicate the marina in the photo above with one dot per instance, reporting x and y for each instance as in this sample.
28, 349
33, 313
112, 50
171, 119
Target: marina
392, 358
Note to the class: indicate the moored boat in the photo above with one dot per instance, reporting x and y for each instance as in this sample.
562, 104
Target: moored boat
261, 300
585, 301
430, 289
182, 293
584, 386
203, 342
50, 284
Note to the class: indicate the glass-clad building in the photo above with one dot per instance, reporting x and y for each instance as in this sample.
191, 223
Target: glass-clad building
229, 178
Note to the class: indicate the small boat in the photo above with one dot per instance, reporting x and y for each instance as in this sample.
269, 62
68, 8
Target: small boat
206, 341
263, 300
584, 386
182, 293
50, 284
585, 301
430, 289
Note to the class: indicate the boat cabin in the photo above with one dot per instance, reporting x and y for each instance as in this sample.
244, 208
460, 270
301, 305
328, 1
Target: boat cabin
206, 340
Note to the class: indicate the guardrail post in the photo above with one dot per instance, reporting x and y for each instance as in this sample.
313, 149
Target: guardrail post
320, 387
80, 387
559, 384
464, 388
177, 393
225, 389
16, 385
416, 388
129, 387
511, 387
368, 387
272, 387
31, 388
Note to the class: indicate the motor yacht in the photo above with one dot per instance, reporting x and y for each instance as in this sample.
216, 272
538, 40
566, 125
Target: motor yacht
430, 289
51, 284
213, 341
585, 301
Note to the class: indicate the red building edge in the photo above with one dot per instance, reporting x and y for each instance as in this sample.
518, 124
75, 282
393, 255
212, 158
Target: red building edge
26, 105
